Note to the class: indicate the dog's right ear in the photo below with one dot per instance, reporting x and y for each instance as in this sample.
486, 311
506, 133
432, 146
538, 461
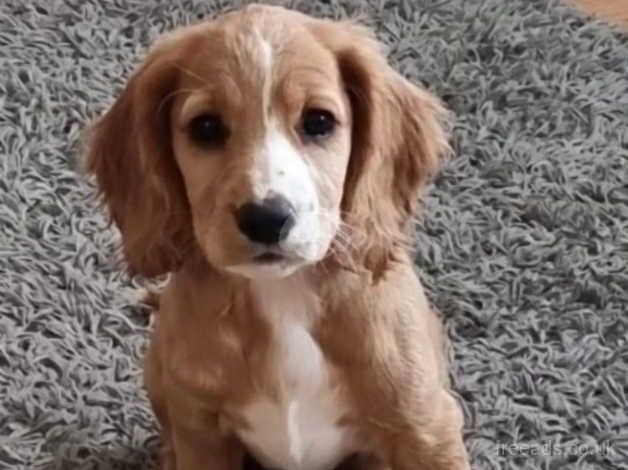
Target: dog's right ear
130, 153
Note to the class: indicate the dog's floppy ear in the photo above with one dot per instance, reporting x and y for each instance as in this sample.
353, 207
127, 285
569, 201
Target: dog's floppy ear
397, 141
130, 153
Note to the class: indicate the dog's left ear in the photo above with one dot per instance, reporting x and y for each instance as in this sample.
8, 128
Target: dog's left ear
398, 140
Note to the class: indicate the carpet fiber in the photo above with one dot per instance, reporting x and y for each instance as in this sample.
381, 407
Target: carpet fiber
523, 244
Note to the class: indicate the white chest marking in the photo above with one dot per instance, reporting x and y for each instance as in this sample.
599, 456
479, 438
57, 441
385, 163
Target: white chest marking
300, 430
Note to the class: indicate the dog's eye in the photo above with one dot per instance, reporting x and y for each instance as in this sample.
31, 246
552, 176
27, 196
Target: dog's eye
318, 122
208, 129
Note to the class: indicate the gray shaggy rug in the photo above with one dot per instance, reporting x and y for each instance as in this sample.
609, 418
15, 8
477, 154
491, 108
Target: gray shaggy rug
523, 244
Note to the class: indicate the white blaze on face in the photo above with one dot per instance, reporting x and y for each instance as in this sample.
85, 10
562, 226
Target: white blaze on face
267, 74
279, 170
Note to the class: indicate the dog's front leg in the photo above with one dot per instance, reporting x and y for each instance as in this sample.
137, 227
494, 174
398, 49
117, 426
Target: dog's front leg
205, 449
433, 442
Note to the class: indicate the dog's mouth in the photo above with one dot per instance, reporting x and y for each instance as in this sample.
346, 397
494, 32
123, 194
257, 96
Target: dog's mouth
274, 255
270, 257
268, 263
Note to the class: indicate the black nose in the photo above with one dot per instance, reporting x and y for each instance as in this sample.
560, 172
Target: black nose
268, 222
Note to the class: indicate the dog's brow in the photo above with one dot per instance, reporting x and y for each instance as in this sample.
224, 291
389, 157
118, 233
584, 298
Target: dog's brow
196, 102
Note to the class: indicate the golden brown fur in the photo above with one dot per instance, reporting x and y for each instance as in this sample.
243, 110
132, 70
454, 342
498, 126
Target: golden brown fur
209, 353
615, 11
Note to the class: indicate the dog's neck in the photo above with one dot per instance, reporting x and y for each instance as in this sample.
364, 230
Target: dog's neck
295, 297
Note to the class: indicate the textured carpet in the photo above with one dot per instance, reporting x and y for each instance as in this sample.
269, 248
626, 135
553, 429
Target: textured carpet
523, 245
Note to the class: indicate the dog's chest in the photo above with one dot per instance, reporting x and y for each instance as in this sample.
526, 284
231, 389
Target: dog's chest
298, 428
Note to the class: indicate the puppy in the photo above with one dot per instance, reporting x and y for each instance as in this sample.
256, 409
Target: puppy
271, 162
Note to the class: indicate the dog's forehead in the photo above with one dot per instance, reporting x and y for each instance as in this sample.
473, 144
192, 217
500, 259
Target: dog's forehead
253, 46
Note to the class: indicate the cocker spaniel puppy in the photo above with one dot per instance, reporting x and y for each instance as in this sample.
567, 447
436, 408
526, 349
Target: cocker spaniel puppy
271, 161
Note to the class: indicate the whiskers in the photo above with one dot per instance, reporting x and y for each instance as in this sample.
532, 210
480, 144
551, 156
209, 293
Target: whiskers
346, 238
334, 238
167, 98
331, 235
352, 242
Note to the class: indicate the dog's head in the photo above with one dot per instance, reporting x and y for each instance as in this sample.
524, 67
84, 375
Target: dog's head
263, 139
